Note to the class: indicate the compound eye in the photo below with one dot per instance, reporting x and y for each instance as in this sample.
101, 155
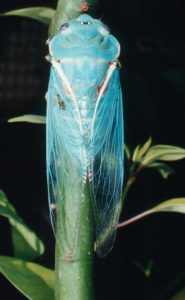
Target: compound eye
64, 27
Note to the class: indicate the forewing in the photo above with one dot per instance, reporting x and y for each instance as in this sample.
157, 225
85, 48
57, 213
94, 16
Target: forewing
63, 161
107, 165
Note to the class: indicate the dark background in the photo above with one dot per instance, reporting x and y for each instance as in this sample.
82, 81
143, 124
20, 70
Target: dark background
153, 77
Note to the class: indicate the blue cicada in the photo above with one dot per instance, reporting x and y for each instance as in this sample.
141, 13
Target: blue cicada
85, 128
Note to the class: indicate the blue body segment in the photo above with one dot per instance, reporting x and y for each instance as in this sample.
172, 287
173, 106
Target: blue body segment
85, 127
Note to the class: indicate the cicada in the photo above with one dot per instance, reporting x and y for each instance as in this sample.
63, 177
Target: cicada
85, 127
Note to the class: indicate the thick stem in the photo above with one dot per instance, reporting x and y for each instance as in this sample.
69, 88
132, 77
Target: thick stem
75, 223
74, 258
67, 10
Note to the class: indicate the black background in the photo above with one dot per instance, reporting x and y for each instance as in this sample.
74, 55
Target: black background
151, 34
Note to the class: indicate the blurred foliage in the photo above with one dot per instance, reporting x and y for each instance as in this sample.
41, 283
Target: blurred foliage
32, 280
29, 119
41, 14
26, 244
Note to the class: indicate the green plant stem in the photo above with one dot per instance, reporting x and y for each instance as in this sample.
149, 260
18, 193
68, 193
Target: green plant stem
67, 10
74, 269
131, 179
128, 185
75, 221
136, 218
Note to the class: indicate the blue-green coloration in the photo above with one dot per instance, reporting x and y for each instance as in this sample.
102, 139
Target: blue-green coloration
85, 128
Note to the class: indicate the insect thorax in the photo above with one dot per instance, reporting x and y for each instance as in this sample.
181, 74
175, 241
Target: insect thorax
86, 76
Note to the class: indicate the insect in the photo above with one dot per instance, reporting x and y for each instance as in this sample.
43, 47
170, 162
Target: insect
85, 130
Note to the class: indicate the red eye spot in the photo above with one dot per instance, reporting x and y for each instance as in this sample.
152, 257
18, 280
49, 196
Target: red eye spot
84, 6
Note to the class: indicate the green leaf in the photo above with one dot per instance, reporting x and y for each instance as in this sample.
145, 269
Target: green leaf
29, 118
163, 153
127, 152
162, 168
176, 205
173, 205
41, 14
141, 150
179, 296
32, 280
135, 154
26, 244
144, 148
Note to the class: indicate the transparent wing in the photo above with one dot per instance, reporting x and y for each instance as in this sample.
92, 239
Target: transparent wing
64, 161
107, 165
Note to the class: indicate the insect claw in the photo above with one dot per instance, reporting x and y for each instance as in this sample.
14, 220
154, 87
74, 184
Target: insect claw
118, 64
53, 206
46, 96
48, 58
